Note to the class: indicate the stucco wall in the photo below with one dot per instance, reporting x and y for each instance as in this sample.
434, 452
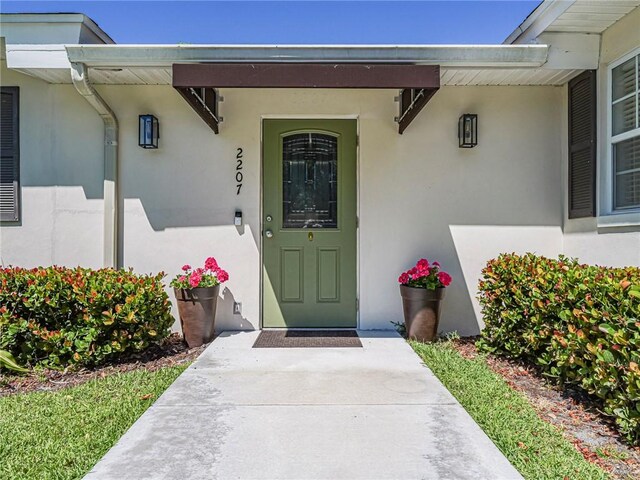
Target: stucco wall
582, 237
419, 194
61, 176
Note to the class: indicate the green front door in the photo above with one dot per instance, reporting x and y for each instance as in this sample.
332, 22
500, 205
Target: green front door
309, 223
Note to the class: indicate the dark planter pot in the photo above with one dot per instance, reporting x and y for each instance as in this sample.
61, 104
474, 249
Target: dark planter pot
197, 309
421, 312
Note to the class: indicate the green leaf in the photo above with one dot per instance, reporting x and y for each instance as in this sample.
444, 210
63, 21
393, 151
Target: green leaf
7, 361
606, 328
607, 356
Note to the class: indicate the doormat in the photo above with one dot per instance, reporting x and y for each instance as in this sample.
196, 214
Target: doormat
307, 339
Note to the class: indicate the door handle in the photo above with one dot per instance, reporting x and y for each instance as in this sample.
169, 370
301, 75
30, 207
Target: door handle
268, 234
310, 236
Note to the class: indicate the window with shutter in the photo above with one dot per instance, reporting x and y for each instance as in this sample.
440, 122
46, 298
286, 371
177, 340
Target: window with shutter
582, 145
9, 155
625, 134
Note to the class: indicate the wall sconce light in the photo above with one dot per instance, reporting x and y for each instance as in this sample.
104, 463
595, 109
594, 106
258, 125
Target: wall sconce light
468, 130
148, 131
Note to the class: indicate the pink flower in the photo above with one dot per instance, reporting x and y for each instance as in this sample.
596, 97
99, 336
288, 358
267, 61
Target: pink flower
211, 264
423, 270
445, 278
403, 278
194, 279
413, 273
186, 267
420, 270
222, 276
182, 278
436, 264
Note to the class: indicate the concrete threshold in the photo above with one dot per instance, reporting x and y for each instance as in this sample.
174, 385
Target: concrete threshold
317, 413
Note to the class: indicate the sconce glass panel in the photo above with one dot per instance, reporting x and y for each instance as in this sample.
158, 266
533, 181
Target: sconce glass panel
468, 130
148, 131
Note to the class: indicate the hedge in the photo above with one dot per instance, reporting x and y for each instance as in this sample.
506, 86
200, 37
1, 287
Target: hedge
579, 323
58, 316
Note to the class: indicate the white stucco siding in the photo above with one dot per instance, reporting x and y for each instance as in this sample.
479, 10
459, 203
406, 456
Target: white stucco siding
420, 195
612, 248
179, 201
582, 237
61, 178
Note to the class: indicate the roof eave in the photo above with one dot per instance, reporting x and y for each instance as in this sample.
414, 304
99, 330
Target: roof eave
53, 18
537, 21
445, 55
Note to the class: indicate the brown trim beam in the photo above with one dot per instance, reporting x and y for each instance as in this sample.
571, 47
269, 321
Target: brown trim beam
205, 103
305, 75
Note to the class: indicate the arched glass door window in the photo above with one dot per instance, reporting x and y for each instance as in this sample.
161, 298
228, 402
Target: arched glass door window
309, 181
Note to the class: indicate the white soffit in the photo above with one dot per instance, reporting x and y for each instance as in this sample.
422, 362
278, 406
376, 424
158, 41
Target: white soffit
571, 16
590, 16
512, 76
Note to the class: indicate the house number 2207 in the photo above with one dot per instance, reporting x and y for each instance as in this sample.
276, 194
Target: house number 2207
239, 171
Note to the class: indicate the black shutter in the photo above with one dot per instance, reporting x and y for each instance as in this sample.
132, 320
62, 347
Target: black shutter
9, 155
582, 145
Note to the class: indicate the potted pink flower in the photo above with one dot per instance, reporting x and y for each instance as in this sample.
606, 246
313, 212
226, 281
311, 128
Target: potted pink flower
422, 290
197, 291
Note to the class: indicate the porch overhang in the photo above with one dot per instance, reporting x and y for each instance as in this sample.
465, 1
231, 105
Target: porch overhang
197, 82
458, 65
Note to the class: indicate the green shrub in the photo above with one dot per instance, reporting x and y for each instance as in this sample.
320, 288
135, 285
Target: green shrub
579, 323
59, 316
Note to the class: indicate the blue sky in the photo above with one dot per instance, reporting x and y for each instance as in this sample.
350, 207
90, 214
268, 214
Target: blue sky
327, 22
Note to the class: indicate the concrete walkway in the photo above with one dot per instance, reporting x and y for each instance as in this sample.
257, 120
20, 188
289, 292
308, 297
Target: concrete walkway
351, 413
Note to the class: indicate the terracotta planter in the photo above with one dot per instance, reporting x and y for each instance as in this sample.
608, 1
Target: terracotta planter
421, 312
197, 309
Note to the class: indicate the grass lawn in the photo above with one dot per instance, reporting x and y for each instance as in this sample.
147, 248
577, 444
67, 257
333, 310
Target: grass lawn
62, 434
537, 449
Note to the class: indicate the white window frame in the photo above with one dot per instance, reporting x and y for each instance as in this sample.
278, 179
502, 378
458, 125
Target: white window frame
607, 216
